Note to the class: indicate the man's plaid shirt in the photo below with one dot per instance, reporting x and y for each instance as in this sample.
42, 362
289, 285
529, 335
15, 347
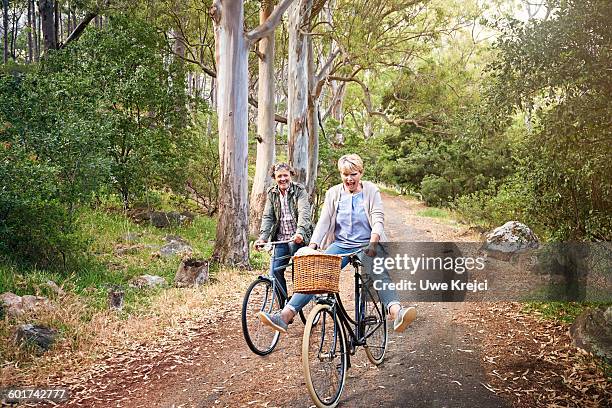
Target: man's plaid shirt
288, 226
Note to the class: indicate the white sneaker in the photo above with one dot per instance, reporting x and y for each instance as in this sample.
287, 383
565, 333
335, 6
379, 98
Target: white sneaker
405, 316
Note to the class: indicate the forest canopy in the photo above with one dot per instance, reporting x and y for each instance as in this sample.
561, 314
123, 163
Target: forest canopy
500, 110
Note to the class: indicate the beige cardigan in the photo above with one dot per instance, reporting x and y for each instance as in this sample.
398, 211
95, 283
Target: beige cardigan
324, 233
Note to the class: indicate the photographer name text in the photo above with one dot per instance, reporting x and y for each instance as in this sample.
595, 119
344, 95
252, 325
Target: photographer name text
432, 286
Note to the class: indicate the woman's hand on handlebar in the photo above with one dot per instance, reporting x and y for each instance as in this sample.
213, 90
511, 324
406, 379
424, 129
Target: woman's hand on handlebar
371, 249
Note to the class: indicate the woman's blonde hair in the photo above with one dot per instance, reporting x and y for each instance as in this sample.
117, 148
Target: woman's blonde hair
350, 162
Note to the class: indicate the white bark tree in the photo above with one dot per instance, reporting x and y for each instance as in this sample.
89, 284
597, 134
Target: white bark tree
265, 123
231, 55
298, 88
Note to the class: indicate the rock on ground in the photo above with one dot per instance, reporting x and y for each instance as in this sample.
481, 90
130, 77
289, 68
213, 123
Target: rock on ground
510, 238
592, 331
148, 281
175, 245
191, 272
15, 305
39, 336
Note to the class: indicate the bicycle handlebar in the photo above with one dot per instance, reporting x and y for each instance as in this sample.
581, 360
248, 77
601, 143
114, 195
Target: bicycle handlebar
274, 243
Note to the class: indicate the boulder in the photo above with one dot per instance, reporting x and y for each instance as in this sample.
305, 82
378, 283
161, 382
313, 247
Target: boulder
175, 245
115, 298
147, 281
511, 238
592, 331
11, 304
14, 305
34, 303
162, 219
40, 337
191, 272
55, 288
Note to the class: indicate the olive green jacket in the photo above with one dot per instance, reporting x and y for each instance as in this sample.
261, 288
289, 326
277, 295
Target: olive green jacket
299, 205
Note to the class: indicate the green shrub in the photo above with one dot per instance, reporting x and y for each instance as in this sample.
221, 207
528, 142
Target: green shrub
492, 207
436, 190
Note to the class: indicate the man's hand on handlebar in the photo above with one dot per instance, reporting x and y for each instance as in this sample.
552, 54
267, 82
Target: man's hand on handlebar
259, 244
297, 238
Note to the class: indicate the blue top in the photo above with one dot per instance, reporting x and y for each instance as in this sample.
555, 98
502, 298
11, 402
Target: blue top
352, 225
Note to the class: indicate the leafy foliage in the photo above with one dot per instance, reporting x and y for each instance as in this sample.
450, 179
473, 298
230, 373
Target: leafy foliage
557, 72
105, 113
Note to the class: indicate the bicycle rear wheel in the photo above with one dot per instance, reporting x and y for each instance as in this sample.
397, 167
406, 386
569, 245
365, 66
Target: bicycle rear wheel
374, 325
258, 298
324, 356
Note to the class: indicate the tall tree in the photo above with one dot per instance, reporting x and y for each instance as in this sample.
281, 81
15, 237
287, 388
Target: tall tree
47, 18
298, 88
265, 123
30, 30
5, 28
231, 54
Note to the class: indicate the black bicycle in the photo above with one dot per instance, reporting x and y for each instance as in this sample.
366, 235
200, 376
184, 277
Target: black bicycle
264, 294
331, 336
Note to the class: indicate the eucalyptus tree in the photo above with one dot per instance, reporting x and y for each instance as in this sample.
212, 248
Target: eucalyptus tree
265, 122
5, 29
232, 46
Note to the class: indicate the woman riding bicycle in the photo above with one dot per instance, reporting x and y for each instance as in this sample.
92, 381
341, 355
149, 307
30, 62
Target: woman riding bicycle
286, 217
352, 218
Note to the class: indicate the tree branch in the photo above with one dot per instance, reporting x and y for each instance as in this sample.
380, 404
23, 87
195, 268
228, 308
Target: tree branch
278, 118
274, 20
76, 33
367, 102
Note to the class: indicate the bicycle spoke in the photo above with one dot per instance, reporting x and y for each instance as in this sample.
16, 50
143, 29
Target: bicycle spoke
374, 324
324, 357
259, 297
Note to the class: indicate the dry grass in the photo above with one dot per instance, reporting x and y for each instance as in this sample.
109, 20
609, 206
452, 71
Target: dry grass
85, 340
533, 361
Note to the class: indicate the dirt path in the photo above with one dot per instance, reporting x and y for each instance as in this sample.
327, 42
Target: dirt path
436, 363
440, 361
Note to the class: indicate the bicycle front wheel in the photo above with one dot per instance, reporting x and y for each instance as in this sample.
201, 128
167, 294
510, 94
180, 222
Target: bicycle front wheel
324, 356
259, 298
304, 312
374, 325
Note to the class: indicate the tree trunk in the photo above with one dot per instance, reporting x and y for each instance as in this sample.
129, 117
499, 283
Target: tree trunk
298, 89
69, 26
231, 53
5, 29
265, 124
313, 126
47, 17
57, 27
30, 30
14, 32
36, 29
337, 111
79, 29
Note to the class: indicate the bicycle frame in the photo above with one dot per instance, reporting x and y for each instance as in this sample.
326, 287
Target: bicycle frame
277, 290
356, 337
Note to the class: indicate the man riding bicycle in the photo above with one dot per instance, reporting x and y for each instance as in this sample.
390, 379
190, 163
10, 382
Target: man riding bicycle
286, 217
352, 218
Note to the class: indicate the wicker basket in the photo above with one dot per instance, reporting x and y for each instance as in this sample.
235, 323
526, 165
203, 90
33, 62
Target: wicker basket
316, 273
